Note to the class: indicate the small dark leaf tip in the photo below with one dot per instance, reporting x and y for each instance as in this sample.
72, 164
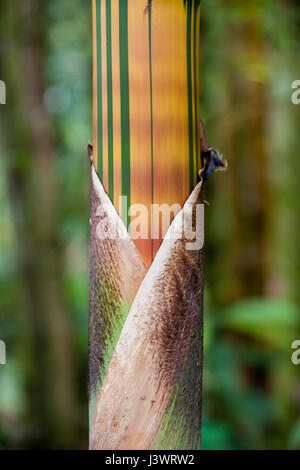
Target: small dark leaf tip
90, 152
212, 162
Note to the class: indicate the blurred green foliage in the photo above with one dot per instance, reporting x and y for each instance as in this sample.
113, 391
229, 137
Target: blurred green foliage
251, 388
68, 100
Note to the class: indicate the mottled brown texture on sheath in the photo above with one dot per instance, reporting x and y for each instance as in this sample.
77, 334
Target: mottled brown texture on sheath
104, 294
180, 344
180, 290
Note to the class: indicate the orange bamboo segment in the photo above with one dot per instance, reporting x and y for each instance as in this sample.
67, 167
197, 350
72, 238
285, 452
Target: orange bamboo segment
197, 87
148, 97
170, 106
116, 90
194, 110
95, 84
140, 122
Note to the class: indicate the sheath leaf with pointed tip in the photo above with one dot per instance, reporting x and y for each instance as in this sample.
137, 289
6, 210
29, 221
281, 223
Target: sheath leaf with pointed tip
116, 271
150, 398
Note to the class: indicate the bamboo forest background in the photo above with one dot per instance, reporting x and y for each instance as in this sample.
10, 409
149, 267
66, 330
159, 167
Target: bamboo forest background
249, 58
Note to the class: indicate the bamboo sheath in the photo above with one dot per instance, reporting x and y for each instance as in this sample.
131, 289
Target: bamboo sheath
145, 326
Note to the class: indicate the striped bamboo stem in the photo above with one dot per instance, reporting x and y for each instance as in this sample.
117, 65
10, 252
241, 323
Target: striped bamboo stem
146, 102
145, 327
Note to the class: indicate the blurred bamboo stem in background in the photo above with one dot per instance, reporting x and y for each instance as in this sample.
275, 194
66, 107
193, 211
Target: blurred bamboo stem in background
44, 325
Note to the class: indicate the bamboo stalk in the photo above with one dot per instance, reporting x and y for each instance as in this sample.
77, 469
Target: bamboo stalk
146, 125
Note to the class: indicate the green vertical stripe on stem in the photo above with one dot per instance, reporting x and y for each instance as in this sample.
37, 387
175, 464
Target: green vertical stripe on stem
109, 103
99, 90
190, 91
196, 64
124, 84
151, 114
